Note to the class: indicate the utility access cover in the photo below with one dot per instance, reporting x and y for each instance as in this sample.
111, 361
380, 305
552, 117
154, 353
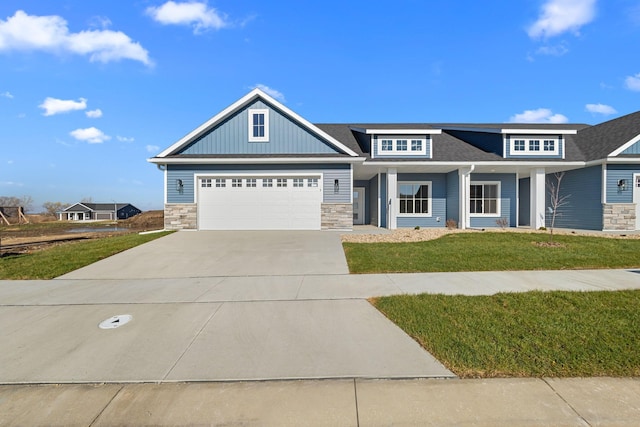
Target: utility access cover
115, 321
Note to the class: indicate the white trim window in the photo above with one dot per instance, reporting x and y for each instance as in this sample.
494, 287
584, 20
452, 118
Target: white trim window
414, 198
402, 146
221, 182
258, 125
534, 146
251, 182
484, 198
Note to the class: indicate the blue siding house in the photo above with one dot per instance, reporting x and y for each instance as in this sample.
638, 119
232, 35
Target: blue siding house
259, 165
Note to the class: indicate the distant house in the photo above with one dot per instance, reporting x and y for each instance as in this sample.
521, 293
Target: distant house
98, 212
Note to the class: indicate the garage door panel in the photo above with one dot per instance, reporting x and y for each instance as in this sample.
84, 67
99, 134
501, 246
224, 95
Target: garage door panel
260, 208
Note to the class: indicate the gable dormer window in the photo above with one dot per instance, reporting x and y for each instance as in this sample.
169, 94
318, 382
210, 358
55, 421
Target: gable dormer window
387, 145
534, 145
402, 145
258, 125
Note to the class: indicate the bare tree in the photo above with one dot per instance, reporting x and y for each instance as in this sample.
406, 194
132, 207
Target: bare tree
26, 202
557, 201
52, 208
87, 199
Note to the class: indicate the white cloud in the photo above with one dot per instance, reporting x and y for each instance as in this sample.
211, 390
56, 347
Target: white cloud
559, 16
541, 115
633, 82
11, 184
152, 148
94, 114
6, 95
51, 34
271, 92
557, 50
600, 109
53, 106
91, 135
125, 138
196, 14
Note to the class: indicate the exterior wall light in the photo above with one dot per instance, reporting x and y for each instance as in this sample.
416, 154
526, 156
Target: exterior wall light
622, 184
179, 185
336, 186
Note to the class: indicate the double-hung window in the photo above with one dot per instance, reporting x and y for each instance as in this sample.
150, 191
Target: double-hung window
484, 199
414, 198
258, 125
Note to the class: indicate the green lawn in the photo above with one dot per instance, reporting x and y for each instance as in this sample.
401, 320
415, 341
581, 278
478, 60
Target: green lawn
492, 252
534, 334
67, 257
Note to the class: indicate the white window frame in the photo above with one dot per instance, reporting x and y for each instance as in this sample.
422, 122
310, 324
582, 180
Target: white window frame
528, 145
429, 200
408, 151
498, 200
253, 112
545, 144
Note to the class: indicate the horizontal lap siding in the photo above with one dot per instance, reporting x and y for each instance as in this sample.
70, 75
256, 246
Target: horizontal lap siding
438, 201
508, 199
634, 149
329, 171
584, 205
615, 173
285, 137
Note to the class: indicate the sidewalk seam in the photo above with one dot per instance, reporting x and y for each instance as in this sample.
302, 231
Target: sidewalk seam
204, 325
106, 406
355, 395
565, 401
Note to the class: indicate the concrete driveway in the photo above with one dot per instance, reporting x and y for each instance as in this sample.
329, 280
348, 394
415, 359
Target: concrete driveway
224, 253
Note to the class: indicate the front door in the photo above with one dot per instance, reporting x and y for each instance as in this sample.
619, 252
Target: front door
636, 198
358, 205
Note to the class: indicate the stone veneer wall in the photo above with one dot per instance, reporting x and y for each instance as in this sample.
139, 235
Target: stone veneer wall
619, 216
181, 216
337, 216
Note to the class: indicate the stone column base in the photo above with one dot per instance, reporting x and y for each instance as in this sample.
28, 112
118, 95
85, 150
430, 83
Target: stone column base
619, 216
337, 216
181, 216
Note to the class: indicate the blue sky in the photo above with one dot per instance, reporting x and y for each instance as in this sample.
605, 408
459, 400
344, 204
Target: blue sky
90, 89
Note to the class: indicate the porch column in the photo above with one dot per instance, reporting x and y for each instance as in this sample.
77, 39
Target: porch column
392, 196
537, 197
464, 181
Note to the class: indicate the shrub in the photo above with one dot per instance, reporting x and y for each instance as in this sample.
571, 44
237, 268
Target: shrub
451, 223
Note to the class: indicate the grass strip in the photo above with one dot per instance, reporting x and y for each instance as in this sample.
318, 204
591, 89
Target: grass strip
533, 334
493, 252
66, 257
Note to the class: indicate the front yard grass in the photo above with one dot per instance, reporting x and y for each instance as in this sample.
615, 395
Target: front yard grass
534, 334
493, 251
61, 259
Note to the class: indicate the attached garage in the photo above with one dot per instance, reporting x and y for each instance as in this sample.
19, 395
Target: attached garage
259, 202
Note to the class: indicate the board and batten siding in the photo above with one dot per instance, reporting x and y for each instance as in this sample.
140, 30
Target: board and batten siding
285, 136
330, 173
438, 201
584, 203
614, 174
508, 199
367, 195
373, 200
634, 149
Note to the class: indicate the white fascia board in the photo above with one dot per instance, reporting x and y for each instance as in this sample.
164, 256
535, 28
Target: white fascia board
623, 159
476, 163
624, 146
268, 160
402, 131
540, 131
254, 94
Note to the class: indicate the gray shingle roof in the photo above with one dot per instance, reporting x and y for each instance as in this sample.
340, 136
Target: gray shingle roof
597, 142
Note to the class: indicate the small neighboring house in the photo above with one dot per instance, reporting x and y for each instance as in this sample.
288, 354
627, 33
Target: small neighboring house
98, 212
259, 165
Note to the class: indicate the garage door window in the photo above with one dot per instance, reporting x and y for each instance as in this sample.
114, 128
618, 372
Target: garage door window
298, 182
267, 182
236, 182
281, 182
251, 182
206, 183
221, 183
312, 182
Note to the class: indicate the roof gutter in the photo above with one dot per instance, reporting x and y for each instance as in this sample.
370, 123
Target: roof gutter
262, 160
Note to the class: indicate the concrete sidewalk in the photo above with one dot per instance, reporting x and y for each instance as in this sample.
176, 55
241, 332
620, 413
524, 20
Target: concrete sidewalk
494, 402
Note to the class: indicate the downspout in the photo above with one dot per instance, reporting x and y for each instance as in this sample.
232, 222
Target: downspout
464, 199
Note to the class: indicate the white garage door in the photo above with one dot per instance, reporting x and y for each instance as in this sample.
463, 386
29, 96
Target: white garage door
259, 203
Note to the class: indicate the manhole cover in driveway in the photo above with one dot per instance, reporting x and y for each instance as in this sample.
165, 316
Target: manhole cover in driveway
115, 321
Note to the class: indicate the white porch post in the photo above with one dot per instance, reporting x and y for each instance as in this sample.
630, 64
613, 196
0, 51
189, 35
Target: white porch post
464, 182
537, 195
392, 196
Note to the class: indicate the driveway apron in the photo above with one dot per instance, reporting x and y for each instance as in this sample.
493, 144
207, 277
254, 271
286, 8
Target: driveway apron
224, 253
